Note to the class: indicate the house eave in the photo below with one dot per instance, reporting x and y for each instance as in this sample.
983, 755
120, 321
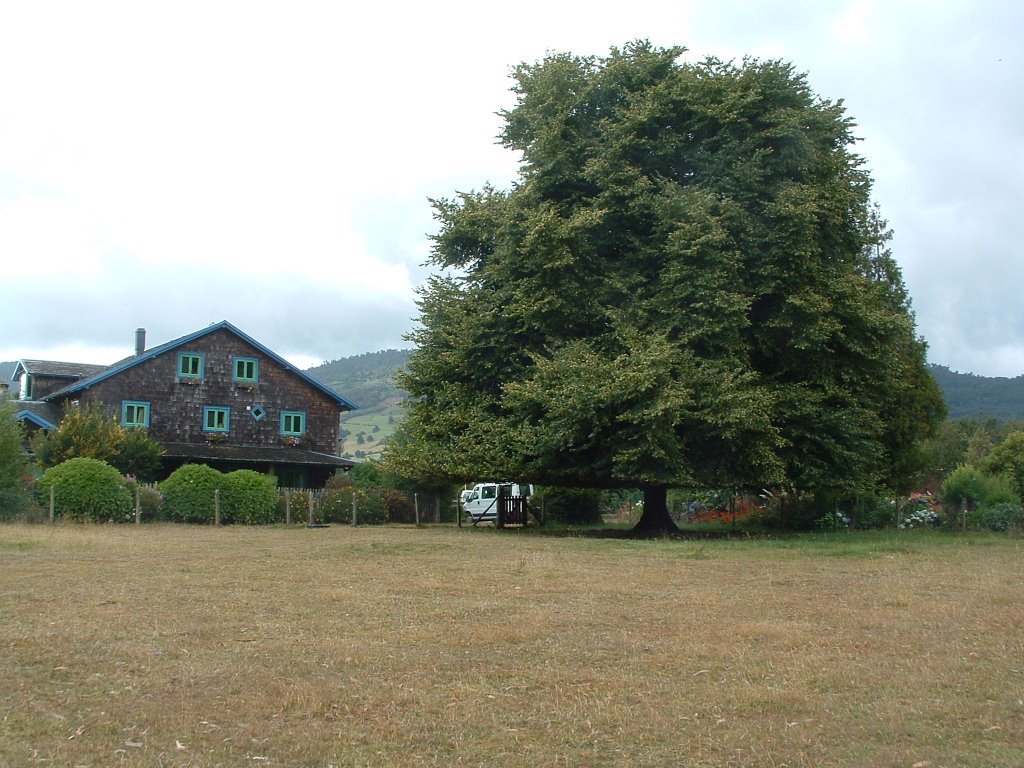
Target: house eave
270, 455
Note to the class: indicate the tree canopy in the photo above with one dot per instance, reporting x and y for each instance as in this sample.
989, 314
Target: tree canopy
688, 285
88, 433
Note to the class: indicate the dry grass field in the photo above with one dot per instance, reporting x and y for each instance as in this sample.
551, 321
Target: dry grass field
193, 646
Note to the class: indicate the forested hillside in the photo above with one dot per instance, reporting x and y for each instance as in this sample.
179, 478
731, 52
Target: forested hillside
6, 371
974, 397
367, 380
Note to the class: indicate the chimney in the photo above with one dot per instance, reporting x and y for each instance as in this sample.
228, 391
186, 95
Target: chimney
140, 341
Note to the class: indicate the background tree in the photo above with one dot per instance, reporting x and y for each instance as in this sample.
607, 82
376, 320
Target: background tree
1007, 460
13, 467
687, 286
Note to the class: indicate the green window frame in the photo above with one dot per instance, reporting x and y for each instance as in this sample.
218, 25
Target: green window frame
245, 370
293, 423
216, 418
135, 414
191, 365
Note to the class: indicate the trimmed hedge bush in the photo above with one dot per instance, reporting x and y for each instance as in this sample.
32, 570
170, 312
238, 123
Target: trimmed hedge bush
248, 497
189, 493
87, 489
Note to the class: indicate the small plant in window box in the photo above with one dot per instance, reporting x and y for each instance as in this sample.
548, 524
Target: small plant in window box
292, 441
216, 437
252, 386
191, 382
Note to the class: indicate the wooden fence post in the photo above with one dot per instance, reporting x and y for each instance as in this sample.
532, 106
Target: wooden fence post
287, 506
416, 506
353, 507
216, 507
138, 505
311, 517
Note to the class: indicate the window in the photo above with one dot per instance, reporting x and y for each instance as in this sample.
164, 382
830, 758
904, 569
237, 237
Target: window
134, 414
247, 370
216, 418
190, 365
293, 422
258, 412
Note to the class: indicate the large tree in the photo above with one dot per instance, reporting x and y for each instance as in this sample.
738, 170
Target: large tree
686, 286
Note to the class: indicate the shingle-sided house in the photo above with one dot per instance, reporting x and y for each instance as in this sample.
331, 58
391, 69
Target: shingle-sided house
216, 396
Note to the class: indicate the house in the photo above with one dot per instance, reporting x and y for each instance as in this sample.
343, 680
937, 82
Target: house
216, 396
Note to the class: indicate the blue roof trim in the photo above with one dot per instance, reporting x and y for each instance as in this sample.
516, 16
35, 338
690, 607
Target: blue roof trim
149, 354
35, 418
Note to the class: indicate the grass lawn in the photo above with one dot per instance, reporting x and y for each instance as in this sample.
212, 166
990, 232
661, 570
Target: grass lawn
168, 646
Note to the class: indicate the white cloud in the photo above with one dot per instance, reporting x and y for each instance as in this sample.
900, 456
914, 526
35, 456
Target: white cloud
171, 166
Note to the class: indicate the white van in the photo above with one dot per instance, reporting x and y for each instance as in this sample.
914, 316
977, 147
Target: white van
481, 503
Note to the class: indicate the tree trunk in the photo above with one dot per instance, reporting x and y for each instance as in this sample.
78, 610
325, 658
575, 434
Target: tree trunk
655, 518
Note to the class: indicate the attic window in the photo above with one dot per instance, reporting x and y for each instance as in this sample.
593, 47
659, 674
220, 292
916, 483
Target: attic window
258, 412
190, 365
246, 370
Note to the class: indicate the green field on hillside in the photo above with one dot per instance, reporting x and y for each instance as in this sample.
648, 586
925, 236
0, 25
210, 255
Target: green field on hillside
364, 432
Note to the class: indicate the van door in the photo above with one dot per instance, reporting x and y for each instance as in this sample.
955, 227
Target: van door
483, 502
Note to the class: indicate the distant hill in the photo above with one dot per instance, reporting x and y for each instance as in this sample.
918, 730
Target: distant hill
6, 371
980, 397
368, 380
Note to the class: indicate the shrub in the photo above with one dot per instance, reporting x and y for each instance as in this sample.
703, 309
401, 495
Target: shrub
87, 489
573, 506
138, 455
89, 432
921, 518
336, 504
189, 493
150, 500
13, 469
371, 508
871, 511
1000, 517
399, 508
967, 485
248, 497
294, 503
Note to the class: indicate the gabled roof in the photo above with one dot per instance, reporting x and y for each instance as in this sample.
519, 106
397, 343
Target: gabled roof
43, 415
55, 368
149, 354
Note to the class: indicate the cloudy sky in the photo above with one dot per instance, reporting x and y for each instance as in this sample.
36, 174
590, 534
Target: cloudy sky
171, 165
